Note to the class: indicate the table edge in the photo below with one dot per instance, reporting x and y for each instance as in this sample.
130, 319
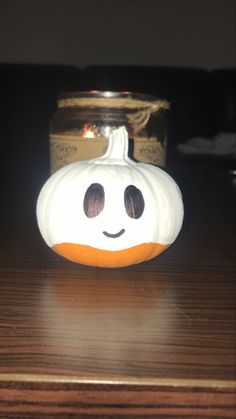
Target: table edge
139, 381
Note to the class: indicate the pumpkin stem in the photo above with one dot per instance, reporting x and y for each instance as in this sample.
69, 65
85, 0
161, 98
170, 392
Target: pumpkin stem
118, 147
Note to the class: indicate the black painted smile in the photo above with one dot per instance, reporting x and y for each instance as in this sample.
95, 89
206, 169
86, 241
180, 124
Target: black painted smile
114, 236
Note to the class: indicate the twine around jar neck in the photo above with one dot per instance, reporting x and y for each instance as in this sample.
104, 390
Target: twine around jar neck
138, 120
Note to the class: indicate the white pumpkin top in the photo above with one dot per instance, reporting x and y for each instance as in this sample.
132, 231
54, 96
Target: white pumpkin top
60, 207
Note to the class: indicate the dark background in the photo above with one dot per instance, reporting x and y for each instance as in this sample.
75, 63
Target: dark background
179, 33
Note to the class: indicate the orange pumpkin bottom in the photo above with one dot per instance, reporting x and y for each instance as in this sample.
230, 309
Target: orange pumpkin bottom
88, 255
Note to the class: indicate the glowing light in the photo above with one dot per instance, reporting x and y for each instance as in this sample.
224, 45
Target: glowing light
89, 131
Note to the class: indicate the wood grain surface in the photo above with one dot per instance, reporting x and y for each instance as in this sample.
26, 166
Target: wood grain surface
155, 339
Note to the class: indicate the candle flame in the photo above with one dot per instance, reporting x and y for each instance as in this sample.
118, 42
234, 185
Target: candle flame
89, 131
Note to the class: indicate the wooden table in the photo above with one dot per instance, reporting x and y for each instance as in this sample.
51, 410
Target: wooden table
155, 339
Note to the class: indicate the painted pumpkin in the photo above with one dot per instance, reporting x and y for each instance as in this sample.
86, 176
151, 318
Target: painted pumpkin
110, 211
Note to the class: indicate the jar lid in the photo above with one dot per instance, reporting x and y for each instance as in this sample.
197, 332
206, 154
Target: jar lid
112, 99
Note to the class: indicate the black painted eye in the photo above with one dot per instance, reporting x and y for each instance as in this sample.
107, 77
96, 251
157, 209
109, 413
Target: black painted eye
134, 202
94, 200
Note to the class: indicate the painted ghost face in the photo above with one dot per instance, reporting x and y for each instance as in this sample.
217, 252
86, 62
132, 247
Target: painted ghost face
94, 202
106, 213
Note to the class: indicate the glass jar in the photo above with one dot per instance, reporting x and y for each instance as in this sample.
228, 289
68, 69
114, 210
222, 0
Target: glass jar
84, 120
